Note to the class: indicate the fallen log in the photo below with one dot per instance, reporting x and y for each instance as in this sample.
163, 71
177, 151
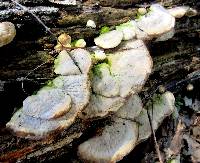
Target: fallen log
176, 63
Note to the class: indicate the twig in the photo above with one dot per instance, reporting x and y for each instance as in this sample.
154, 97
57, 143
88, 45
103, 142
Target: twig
36, 17
154, 136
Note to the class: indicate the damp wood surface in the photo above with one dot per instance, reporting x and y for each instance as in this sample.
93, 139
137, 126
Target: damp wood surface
176, 63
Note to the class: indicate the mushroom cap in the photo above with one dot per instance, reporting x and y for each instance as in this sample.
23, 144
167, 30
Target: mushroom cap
77, 87
140, 34
157, 21
132, 68
163, 106
76, 62
97, 54
36, 128
80, 43
109, 40
64, 39
91, 23
7, 33
116, 141
122, 135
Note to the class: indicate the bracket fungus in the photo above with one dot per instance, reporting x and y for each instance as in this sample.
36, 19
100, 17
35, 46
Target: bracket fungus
109, 40
117, 139
123, 76
124, 133
180, 11
96, 81
157, 21
7, 33
162, 106
55, 106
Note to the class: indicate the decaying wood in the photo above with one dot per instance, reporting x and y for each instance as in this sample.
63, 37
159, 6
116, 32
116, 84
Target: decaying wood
176, 63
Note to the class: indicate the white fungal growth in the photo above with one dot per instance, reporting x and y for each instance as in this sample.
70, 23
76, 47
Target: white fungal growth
64, 65
116, 141
178, 12
91, 23
99, 84
166, 36
109, 40
128, 30
157, 21
122, 135
7, 33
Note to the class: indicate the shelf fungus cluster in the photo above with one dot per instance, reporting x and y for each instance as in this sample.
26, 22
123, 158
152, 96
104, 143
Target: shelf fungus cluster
55, 107
96, 81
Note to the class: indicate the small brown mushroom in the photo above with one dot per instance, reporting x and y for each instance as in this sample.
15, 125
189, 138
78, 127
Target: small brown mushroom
7, 33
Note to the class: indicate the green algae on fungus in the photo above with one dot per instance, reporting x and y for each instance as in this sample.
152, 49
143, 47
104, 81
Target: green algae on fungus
128, 30
104, 29
97, 70
124, 25
99, 55
80, 43
51, 84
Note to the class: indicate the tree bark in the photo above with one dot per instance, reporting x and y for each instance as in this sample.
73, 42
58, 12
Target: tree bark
176, 63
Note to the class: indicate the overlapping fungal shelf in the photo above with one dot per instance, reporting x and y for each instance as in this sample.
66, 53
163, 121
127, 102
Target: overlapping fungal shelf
96, 81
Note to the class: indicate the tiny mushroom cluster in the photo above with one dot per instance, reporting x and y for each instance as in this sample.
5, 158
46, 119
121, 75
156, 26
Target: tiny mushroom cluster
96, 81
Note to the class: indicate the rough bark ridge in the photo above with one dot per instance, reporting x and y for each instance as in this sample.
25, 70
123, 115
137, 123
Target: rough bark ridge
176, 63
